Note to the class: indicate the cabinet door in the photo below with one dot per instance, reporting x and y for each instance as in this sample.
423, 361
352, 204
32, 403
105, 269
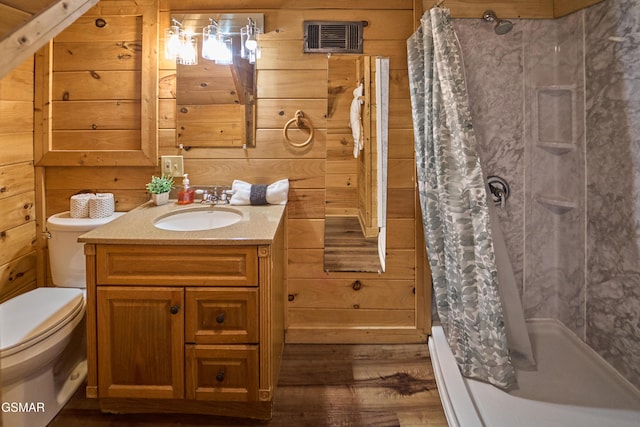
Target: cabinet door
140, 342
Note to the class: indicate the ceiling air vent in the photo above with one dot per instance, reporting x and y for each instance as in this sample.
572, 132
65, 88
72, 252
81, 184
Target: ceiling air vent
333, 36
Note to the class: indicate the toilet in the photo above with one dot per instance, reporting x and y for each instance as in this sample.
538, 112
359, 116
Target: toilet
43, 334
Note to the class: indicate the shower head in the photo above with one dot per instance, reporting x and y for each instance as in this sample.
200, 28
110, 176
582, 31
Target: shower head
502, 25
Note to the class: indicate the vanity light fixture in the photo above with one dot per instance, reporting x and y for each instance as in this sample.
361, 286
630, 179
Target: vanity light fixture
249, 48
172, 40
215, 45
180, 45
188, 53
181, 41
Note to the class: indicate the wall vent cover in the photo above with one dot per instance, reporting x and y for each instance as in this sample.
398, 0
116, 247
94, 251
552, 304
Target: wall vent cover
333, 36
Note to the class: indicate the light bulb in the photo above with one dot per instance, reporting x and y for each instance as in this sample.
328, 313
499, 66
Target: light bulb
251, 44
188, 51
172, 42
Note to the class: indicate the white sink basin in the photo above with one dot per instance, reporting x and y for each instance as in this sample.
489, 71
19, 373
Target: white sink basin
198, 219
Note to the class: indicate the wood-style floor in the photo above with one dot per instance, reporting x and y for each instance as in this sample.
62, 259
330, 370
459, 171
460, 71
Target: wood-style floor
320, 385
346, 248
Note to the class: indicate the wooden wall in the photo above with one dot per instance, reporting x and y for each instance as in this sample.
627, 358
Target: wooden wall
18, 235
322, 307
26, 26
325, 307
342, 180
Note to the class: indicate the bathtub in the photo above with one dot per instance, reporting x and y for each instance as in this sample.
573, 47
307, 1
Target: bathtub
573, 386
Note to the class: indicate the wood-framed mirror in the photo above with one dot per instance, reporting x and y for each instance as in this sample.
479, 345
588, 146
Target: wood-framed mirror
355, 210
215, 102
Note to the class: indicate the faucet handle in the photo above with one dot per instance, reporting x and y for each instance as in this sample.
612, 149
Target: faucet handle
226, 195
216, 194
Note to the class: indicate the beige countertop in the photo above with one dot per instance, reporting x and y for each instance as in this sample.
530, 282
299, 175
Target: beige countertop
257, 226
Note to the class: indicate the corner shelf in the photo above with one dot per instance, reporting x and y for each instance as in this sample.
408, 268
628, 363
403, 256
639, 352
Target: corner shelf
557, 148
557, 205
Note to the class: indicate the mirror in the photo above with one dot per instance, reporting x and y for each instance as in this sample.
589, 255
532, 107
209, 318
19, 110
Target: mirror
355, 210
215, 102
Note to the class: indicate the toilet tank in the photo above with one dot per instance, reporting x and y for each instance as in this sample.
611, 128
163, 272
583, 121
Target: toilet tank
66, 254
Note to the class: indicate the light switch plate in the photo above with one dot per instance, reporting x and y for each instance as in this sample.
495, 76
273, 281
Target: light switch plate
172, 165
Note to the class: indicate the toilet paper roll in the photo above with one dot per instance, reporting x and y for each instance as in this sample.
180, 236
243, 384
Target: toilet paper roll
79, 205
102, 205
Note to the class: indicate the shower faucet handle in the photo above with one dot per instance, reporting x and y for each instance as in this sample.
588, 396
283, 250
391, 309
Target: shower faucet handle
499, 190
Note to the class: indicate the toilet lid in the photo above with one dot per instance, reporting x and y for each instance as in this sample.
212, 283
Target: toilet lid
36, 314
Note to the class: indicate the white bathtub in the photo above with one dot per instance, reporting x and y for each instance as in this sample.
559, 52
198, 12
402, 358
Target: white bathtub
573, 386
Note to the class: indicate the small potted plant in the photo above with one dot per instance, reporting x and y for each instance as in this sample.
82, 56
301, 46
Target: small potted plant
159, 187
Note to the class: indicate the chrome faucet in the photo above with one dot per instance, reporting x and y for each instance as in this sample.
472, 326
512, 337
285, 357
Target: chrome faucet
216, 196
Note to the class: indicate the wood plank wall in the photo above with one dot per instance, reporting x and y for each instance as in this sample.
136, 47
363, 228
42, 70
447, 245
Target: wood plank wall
325, 307
322, 307
18, 235
342, 180
26, 26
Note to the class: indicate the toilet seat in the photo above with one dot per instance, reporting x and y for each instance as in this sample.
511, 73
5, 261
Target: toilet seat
32, 317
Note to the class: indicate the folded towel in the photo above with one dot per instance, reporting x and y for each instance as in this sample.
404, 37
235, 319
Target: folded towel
245, 193
79, 205
355, 116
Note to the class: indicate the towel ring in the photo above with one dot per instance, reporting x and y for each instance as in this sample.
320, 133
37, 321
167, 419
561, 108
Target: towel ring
300, 121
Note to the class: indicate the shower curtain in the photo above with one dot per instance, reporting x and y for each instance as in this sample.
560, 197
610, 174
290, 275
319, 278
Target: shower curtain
454, 204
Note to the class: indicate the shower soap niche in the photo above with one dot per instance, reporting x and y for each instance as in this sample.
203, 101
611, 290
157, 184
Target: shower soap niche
555, 119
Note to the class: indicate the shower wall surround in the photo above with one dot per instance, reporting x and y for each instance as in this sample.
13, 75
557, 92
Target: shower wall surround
556, 109
555, 172
613, 183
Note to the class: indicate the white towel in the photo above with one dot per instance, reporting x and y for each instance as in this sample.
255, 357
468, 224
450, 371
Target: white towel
355, 116
276, 193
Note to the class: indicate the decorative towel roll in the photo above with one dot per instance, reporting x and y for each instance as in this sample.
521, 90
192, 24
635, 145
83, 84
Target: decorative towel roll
102, 205
79, 205
259, 194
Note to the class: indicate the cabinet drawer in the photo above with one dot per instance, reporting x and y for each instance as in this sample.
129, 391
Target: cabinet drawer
177, 265
224, 373
222, 315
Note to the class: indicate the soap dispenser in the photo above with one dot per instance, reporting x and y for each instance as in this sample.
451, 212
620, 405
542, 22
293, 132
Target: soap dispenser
186, 193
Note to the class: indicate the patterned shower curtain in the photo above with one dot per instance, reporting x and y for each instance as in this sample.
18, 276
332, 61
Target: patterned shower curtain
454, 204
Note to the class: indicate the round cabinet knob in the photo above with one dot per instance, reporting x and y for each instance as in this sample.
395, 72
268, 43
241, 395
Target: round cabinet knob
175, 309
357, 285
220, 377
220, 318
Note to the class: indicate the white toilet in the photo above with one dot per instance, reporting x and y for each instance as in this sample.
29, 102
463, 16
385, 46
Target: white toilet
42, 332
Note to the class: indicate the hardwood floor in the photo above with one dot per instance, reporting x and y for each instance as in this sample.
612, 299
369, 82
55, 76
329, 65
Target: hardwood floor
346, 249
320, 385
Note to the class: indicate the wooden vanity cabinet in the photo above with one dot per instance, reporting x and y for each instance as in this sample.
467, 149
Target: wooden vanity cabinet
187, 329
